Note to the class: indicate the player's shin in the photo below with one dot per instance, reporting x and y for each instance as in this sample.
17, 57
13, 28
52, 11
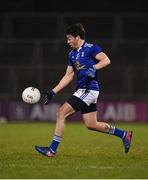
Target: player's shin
107, 128
60, 125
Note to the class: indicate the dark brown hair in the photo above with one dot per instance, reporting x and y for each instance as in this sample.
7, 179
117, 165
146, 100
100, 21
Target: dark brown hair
76, 30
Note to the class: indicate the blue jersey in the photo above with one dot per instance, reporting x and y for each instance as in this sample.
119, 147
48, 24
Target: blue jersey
81, 59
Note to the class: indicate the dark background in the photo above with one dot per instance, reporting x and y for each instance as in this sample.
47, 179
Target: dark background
74, 6
33, 50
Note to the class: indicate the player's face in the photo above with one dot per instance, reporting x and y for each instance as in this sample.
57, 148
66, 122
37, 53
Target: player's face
72, 41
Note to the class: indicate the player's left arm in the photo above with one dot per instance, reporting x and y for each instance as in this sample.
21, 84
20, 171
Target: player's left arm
103, 60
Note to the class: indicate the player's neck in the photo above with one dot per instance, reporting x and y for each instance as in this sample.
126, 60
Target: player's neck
80, 43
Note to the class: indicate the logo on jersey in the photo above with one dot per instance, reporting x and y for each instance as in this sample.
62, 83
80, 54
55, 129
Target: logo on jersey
78, 66
82, 54
78, 56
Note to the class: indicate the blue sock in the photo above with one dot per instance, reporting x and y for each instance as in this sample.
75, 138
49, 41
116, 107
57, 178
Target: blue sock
55, 142
117, 132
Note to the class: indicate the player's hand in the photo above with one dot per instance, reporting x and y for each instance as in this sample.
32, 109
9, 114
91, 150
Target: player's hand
47, 96
91, 72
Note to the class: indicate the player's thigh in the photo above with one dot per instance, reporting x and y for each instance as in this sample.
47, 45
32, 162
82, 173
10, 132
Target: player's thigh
90, 119
65, 110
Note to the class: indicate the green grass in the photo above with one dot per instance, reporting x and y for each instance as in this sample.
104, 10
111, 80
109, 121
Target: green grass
82, 153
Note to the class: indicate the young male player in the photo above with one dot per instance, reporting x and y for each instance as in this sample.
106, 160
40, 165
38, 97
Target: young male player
85, 60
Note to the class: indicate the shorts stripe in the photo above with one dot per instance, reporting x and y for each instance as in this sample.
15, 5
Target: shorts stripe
87, 95
84, 95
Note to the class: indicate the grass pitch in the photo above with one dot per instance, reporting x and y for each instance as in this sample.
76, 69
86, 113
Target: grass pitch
81, 154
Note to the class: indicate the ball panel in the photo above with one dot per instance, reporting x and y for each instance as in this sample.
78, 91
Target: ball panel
31, 95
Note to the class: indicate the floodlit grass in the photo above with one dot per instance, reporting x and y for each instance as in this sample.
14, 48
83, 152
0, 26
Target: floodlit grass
82, 153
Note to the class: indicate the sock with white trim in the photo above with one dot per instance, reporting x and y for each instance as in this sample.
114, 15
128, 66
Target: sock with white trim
55, 143
117, 132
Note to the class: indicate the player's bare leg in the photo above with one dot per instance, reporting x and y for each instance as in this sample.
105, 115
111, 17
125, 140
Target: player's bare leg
64, 111
90, 120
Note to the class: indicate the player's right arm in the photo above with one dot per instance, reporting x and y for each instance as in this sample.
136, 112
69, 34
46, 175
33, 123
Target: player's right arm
66, 79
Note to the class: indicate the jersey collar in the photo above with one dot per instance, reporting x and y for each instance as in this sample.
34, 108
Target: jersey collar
80, 47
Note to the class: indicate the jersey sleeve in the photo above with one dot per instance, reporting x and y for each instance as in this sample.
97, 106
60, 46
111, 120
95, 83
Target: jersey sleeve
95, 49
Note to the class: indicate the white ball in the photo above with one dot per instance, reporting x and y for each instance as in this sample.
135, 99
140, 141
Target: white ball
31, 95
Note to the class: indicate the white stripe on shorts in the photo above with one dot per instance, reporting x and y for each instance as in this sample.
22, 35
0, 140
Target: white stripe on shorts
84, 94
88, 96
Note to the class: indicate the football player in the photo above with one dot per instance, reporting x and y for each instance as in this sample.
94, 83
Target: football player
85, 60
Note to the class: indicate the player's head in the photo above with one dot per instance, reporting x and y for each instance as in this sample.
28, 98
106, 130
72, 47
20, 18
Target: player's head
75, 33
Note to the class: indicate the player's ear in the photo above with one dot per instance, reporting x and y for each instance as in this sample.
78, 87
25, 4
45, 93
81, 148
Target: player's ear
77, 37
